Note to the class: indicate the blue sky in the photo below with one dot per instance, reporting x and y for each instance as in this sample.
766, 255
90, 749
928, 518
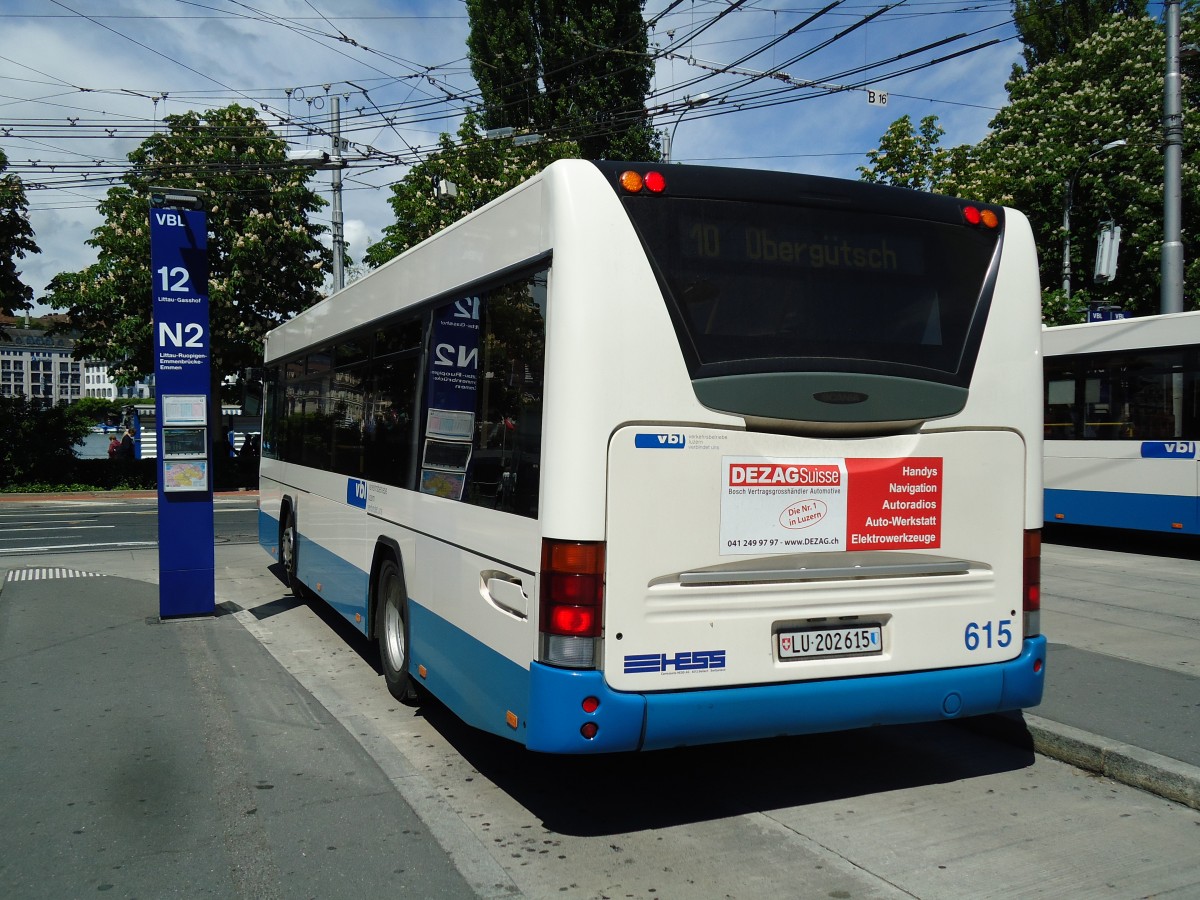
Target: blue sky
117, 66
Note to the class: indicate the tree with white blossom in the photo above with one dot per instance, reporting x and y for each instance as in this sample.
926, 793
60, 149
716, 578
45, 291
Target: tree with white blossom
1059, 115
265, 257
1106, 87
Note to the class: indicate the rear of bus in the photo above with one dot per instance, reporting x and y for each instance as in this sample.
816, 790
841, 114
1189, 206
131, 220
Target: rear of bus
807, 486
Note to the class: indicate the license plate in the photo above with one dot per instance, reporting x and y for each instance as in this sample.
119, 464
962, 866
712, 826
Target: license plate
806, 643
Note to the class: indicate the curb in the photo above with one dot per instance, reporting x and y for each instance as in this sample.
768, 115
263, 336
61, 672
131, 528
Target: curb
1161, 775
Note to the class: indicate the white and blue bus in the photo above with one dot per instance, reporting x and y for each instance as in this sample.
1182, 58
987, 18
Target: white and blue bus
638, 457
1123, 423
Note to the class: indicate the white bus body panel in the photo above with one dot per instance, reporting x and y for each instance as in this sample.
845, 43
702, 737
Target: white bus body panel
1117, 467
665, 518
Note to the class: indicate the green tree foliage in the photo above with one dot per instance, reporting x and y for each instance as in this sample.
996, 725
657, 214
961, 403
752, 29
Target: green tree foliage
570, 69
37, 441
1051, 28
1059, 115
16, 240
481, 169
909, 158
265, 259
95, 409
506, 62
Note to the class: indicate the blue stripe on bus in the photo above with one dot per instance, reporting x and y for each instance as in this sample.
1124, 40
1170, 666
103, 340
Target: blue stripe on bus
268, 533
478, 684
344, 586
1146, 512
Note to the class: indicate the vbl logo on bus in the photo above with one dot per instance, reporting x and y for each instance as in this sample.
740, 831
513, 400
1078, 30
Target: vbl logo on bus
673, 441
356, 492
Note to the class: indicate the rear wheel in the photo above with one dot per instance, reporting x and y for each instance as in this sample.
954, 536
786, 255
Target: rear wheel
287, 553
391, 630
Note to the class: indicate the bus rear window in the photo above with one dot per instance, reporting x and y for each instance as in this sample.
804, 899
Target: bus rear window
768, 287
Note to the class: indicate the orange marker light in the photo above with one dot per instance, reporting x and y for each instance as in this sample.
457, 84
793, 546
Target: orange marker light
990, 219
631, 181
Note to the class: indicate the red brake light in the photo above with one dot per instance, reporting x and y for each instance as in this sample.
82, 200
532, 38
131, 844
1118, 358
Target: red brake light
655, 183
972, 215
1033, 571
572, 620
572, 588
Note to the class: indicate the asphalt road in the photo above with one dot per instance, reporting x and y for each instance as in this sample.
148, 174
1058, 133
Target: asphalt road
65, 526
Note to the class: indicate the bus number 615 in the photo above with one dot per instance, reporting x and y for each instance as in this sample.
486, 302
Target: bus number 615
988, 635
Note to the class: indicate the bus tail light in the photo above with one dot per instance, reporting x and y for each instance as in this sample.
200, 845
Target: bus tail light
635, 182
571, 602
975, 215
1032, 586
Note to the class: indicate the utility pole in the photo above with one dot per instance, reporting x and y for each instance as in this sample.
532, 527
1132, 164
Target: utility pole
339, 274
1171, 300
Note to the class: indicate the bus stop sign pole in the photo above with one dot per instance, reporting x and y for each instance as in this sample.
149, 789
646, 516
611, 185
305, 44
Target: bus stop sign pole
182, 365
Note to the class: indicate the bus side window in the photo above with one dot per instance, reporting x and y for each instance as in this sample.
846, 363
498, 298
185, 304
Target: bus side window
347, 399
272, 411
388, 430
504, 468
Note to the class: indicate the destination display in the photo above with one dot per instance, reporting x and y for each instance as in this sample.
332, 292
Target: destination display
791, 244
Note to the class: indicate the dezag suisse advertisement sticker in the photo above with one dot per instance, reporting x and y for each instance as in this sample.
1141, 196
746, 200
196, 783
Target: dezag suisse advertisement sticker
804, 505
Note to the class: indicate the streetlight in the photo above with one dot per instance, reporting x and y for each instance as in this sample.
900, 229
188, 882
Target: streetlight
690, 103
1069, 189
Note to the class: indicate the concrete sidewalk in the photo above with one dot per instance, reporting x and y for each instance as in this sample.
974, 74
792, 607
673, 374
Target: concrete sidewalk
173, 758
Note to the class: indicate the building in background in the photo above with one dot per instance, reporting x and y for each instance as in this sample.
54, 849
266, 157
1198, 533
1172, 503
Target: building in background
96, 383
41, 366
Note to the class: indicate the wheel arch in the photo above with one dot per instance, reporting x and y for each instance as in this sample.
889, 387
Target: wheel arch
385, 547
288, 513
287, 507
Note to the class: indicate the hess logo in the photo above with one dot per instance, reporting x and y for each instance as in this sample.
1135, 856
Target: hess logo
803, 513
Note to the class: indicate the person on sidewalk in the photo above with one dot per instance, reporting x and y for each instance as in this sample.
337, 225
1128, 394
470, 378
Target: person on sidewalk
125, 450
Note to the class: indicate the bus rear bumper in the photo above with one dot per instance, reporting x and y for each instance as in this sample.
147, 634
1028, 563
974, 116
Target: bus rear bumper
627, 721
